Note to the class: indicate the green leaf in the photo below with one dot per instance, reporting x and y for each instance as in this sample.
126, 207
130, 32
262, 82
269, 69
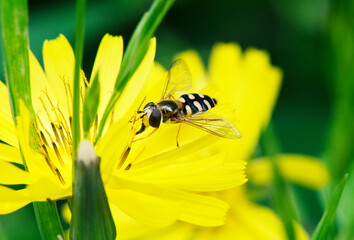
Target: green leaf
91, 103
281, 192
135, 52
15, 45
91, 215
330, 211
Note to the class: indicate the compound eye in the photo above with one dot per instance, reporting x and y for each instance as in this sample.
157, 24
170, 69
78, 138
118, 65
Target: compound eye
150, 104
155, 118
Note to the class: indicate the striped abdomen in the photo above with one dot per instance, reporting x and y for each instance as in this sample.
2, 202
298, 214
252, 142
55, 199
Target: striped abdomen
194, 103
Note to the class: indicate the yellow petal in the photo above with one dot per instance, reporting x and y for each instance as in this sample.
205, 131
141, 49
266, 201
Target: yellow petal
127, 227
251, 221
135, 91
59, 62
146, 208
196, 67
250, 85
112, 147
177, 231
107, 65
195, 208
10, 154
11, 200
48, 188
41, 91
190, 172
9, 207
301, 169
13, 175
66, 213
36, 164
7, 127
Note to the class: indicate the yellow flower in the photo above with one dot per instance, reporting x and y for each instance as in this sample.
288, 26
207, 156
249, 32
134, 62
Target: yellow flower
249, 85
162, 183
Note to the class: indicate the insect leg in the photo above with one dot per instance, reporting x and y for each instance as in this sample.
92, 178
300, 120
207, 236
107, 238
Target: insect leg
179, 129
146, 136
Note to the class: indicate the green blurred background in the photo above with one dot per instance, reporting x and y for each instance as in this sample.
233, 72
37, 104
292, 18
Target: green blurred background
295, 33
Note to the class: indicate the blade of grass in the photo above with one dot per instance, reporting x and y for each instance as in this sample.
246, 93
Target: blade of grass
135, 52
330, 211
14, 32
79, 46
281, 194
15, 45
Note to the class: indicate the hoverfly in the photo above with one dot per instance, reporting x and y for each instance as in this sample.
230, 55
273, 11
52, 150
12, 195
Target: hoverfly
189, 108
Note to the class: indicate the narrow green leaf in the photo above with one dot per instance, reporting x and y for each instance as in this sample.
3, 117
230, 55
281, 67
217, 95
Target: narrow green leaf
15, 45
14, 33
135, 52
344, 220
47, 215
91, 215
79, 47
281, 194
330, 211
91, 103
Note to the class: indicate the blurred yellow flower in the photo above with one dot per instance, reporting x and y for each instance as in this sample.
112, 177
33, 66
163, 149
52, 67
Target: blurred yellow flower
297, 168
162, 183
248, 84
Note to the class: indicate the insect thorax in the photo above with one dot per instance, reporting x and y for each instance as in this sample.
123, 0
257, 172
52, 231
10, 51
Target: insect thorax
169, 108
194, 103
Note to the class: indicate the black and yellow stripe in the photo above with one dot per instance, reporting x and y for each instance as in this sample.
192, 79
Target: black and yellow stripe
194, 103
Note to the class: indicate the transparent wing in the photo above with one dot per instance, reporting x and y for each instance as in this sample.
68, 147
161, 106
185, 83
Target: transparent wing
179, 79
214, 124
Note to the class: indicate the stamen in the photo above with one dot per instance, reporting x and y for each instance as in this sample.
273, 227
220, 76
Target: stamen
128, 167
136, 158
124, 157
44, 140
57, 153
54, 169
68, 95
46, 110
112, 118
43, 127
47, 158
66, 142
61, 179
71, 123
63, 119
55, 132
